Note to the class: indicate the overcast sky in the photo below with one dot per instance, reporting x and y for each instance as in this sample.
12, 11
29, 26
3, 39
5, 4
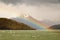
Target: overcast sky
42, 10
30, 1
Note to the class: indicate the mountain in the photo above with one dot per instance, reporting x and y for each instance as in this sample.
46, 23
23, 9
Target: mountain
27, 22
9, 24
55, 26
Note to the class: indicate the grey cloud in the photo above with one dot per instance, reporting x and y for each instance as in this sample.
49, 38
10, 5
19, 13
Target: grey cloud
11, 1
29, 2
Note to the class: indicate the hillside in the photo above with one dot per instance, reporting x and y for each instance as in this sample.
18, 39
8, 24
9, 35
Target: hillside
57, 27
9, 24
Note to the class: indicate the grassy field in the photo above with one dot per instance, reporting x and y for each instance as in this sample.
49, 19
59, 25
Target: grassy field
29, 35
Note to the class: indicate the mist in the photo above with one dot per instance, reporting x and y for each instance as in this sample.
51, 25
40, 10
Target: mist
46, 11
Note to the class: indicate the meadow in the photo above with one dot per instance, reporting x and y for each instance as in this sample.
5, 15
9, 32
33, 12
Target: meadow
29, 35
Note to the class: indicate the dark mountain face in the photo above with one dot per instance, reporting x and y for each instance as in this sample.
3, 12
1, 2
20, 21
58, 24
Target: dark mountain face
9, 24
57, 27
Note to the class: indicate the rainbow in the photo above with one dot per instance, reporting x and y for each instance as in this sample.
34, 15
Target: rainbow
10, 12
34, 23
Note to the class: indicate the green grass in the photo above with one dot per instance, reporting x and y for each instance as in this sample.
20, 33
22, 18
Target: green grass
29, 35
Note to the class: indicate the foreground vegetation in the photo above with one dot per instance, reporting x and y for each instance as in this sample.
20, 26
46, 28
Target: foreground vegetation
29, 35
